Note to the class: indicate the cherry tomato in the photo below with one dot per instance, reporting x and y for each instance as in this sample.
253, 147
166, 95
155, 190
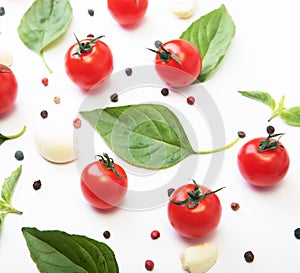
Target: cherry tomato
177, 62
8, 89
263, 166
104, 183
88, 63
127, 12
194, 211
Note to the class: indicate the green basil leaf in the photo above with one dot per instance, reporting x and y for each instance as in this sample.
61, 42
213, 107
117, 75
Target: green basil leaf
57, 251
43, 23
211, 34
144, 135
291, 116
10, 184
4, 206
260, 96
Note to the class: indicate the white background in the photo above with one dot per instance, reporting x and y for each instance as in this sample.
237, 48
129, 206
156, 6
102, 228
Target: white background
264, 55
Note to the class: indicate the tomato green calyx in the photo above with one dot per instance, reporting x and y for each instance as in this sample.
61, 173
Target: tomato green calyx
164, 54
86, 47
241, 134
4, 69
269, 143
109, 163
194, 197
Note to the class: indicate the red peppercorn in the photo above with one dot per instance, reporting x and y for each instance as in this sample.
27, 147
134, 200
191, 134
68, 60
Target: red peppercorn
77, 123
235, 206
149, 265
190, 100
45, 81
155, 234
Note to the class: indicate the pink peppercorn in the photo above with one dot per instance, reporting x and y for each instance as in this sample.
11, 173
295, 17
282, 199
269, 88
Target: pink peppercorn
190, 100
155, 234
45, 81
77, 123
149, 265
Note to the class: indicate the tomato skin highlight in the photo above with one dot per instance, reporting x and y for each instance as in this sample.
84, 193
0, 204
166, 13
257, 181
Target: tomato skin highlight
127, 12
194, 222
8, 89
175, 74
262, 169
101, 187
89, 69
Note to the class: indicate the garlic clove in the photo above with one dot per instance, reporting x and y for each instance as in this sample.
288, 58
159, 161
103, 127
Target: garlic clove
183, 8
5, 57
199, 258
55, 145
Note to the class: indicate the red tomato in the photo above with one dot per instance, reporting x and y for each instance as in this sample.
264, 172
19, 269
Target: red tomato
197, 211
8, 89
178, 62
127, 12
103, 183
265, 168
88, 63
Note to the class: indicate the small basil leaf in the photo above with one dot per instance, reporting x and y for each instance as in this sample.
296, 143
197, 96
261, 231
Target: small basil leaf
291, 116
260, 96
144, 135
43, 23
211, 34
57, 251
10, 184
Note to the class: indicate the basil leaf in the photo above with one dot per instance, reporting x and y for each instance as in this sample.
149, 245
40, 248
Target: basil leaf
291, 116
43, 23
57, 251
144, 135
260, 96
4, 206
211, 34
10, 184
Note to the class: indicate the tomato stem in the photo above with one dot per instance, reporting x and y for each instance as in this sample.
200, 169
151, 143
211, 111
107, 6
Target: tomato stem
86, 47
194, 197
109, 163
240, 135
164, 54
270, 144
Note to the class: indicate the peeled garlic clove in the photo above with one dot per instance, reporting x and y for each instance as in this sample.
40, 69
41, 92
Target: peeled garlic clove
5, 57
183, 8
199, 258
55, 145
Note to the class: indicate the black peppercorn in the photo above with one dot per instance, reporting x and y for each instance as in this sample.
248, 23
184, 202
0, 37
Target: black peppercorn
37, 185
297, 233
165, 91
270, 130
249, 257
114, 97
91, 12
170, 191
235, 206
241, 134
128, 71
106, 234
44, 114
